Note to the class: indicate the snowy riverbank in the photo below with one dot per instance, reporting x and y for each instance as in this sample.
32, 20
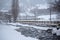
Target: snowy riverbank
7, 32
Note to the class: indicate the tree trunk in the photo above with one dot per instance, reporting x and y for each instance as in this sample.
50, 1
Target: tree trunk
15, 10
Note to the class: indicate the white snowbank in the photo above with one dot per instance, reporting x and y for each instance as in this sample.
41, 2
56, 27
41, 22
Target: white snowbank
8, 33
47, 17
37, 27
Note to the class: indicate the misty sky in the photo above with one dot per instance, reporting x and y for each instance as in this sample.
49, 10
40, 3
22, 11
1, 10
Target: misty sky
25, 4
6, 4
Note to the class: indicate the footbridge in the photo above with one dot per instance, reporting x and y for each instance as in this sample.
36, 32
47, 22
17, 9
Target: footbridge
39, 23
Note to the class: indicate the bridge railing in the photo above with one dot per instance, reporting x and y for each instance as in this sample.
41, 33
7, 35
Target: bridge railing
39, 22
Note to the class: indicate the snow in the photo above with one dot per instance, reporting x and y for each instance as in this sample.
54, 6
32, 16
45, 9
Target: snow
24, 25
22, 14
54, 30
47, 17
4, 10
41, 6
7, 32
30, 14
58, 32
26, 14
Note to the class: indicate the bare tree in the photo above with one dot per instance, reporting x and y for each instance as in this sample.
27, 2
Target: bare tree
56, 7
15, 9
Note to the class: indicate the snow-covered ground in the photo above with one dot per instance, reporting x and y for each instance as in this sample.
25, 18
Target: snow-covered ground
47, 17
37, 27
7, 32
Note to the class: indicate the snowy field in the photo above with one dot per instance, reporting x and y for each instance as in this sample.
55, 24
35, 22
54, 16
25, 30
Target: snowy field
17, 31
8, 32
33, 31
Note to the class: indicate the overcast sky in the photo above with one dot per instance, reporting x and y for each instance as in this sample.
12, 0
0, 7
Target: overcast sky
6, 4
